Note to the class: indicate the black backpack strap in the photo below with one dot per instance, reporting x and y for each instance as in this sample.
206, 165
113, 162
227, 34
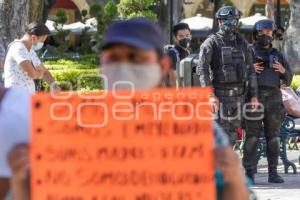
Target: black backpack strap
176, 53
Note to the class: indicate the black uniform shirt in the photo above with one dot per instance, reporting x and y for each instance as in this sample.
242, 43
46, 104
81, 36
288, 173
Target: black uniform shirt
182, 54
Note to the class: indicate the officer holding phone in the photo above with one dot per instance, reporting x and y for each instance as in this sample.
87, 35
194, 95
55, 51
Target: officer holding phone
272, 72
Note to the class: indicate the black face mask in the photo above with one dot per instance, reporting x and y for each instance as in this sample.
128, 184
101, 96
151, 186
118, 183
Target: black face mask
264, 40
185, 42
228, 28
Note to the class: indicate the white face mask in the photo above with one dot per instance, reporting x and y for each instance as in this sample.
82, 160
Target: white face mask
128, 76
37, 46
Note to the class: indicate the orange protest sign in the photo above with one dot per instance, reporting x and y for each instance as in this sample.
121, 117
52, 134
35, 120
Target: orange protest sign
152, 145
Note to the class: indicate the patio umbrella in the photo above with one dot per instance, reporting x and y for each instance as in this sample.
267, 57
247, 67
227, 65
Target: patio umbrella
247, 23
200, 26
75, 28
50, 25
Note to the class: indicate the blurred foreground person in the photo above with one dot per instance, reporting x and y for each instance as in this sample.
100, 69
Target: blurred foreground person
22, 65
272, 72
14, 120
133, 53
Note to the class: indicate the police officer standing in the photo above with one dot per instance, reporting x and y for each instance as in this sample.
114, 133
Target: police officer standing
272, 72
225, 63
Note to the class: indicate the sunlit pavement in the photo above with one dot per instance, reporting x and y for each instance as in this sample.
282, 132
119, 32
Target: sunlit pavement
290, 190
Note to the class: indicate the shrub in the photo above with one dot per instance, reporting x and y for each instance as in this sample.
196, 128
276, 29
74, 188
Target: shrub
136, 8
76, 79
60, 35
67, 73
85, 62
296, 82
104, 16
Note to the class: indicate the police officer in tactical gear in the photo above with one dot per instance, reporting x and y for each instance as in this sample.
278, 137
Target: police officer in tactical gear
225, 63
272, 72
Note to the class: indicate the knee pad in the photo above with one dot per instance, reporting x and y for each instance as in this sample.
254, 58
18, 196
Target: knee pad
273, 143
250, 143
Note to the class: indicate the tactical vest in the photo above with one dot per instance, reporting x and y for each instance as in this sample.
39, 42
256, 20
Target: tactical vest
229, 62
268, 77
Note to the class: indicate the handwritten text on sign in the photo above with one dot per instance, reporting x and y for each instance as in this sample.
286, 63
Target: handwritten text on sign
112, 148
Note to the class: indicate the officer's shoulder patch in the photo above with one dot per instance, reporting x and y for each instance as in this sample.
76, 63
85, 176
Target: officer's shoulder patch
212, 38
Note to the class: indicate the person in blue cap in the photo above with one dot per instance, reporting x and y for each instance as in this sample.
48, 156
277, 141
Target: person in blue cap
133, 52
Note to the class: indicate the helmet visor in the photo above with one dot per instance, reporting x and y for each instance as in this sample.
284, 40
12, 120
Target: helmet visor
230, 22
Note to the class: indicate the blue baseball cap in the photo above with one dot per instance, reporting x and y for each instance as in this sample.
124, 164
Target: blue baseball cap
138, 32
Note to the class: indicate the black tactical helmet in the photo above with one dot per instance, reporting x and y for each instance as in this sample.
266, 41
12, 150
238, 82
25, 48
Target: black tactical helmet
263, 24
228, 12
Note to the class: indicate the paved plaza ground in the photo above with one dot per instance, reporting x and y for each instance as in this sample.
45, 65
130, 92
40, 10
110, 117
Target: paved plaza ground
290, 190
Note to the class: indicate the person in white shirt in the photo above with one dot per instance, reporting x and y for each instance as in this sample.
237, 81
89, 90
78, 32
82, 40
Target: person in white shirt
22, 64
14, 128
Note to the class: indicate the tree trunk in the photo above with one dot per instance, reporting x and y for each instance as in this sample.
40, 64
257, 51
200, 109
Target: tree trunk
178, 11
15, 15
217, 6
163, 17
292, 42
48, 4
270, 10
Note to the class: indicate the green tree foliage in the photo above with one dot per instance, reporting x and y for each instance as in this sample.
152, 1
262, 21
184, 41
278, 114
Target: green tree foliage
85, 37
228, 3
60, 35
104, 16
137, 8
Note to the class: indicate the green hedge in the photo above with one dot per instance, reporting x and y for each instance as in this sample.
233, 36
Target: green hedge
67, 73
77, 79
84, 62
296, 82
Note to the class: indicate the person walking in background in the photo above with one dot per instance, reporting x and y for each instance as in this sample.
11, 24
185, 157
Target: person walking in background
22, 65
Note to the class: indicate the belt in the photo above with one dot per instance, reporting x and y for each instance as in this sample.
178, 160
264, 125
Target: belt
230, 92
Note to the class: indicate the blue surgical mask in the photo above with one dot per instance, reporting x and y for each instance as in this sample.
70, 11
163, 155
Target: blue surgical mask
38, 46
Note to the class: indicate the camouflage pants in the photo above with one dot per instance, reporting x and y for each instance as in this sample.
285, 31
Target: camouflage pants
272, 115
230, 115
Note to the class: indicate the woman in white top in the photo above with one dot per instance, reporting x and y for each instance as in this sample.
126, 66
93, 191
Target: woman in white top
22, 64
